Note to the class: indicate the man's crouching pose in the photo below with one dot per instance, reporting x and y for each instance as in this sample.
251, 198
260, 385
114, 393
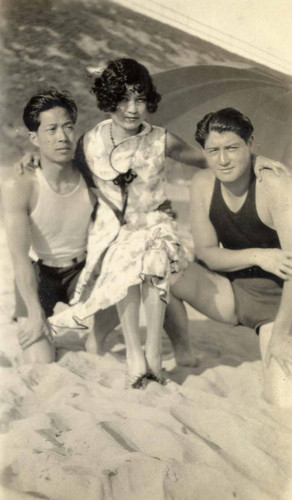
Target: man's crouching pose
243, 239
49, 210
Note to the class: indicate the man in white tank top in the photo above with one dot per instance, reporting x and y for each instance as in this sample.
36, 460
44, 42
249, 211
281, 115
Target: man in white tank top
49, 210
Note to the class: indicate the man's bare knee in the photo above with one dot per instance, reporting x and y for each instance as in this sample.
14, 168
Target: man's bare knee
277, 386
208, 292
39, 352
187, 284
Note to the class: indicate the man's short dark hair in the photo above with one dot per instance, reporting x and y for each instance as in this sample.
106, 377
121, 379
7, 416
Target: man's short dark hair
45, 100
111, 86
224, 120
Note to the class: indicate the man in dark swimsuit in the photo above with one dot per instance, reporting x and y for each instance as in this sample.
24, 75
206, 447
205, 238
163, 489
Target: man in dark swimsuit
243, 239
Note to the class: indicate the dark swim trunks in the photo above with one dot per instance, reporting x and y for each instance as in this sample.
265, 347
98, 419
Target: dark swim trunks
257, 300
55, 284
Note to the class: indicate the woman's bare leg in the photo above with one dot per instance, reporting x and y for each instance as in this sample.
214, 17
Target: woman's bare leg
128, 310
277, 388
155, 311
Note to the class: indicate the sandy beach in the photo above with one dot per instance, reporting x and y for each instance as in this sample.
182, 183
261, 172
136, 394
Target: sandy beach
70, 430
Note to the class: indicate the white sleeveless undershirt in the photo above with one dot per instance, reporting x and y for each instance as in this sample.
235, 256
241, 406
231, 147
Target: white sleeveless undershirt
59, 222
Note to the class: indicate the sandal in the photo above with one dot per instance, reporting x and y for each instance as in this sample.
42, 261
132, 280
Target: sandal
150, 375
136, 381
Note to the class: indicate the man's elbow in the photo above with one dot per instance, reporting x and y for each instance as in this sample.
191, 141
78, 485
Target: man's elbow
20, 262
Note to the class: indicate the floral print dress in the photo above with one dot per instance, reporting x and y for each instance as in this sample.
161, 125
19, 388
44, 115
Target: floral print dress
131, 237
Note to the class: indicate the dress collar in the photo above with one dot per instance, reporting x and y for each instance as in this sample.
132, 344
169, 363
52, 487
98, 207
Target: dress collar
121, 158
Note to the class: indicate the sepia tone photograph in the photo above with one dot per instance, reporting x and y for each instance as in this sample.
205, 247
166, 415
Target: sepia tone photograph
146, 250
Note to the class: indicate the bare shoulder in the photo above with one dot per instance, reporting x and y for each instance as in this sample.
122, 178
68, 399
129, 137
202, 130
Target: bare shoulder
274, 201
18, 188
202, 183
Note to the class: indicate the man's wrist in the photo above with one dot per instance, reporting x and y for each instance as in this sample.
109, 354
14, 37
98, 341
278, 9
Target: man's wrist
36, 314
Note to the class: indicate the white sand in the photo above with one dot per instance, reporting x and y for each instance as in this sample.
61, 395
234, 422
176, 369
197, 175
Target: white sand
70, 431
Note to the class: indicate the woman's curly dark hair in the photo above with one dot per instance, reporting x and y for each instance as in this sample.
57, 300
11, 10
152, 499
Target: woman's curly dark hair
111, 87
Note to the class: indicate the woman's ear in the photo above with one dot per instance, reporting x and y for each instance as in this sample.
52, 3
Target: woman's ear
250, 141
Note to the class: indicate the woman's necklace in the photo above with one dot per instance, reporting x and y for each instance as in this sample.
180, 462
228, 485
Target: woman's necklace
112, 137
123, 180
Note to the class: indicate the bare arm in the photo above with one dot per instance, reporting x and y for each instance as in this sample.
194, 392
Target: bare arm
281, 211
15, 195
179, 150
207, 244
279, 195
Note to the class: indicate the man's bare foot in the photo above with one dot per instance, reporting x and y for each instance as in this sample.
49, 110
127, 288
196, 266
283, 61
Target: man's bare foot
93, 346
184, 357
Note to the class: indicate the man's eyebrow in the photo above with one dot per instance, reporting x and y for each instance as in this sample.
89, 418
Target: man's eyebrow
225, 146
52, 124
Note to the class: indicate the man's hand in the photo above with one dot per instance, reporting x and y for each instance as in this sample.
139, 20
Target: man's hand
32, 330
280, 348
29, 162
261, 162
275, 261
167, 208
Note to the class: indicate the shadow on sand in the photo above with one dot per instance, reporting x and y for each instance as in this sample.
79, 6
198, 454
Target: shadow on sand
213, 344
